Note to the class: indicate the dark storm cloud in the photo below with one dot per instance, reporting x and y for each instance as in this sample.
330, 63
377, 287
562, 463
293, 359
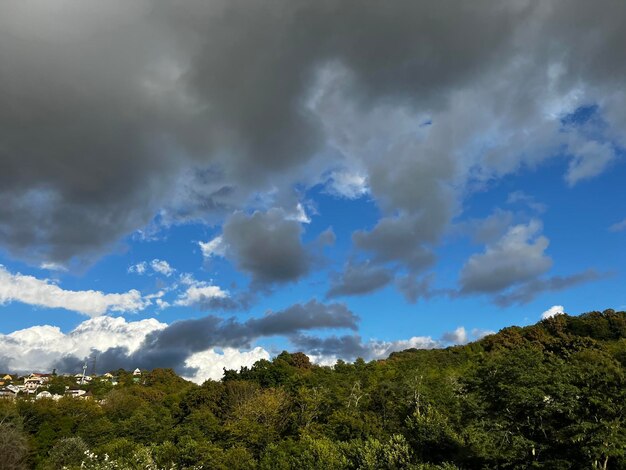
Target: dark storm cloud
266, 245
171, 346
100, 123
357, 279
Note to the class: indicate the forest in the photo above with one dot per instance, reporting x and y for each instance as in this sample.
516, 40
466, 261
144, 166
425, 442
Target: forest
551, 395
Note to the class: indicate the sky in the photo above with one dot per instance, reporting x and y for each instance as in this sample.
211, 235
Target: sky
200, 185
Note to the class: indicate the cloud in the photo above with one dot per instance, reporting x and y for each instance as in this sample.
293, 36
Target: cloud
517, 257
162, 267
414, 288
211, 364
552, 311
53, 267
173, 345
39, 348
489, 229
214, 247
526, 292
156, 265
458, 336
44, 293
397, 239
348, 184
520, 197
108, 129
202, 294
590, 159
618, 226
266, 245
152, 344
327, 350
358, 279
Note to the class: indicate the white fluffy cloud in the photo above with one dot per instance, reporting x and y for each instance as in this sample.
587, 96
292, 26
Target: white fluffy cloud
162, 267
44, 293
210, 364
552, 311
214, 247
39, 348
200, 292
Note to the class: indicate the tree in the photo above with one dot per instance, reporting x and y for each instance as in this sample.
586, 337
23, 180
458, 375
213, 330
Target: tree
13, 447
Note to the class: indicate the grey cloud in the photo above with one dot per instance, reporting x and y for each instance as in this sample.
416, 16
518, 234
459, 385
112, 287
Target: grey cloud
349, 347
526, 292
357, 279
99, 121
396, 239
414, 288
313, 314
489, 229
5, 364
171, 346
458, 336
266, 245
517, 257
225, 304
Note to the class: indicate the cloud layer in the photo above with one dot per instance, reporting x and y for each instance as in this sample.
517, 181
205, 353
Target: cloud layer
152, 109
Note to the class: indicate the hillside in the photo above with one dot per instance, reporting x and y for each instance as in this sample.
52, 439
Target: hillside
551, 395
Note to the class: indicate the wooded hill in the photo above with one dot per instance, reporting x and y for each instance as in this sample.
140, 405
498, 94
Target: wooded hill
551, 395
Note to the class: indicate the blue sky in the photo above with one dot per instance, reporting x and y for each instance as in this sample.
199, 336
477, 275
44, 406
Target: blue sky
174, 198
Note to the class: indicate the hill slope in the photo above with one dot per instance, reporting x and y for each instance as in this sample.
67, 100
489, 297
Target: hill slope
550, 395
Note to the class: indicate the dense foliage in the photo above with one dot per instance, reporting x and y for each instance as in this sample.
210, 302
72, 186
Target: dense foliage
550, 396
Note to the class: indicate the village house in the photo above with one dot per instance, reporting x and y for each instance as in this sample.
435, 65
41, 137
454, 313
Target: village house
5, 379
34, 381
75, 393
10, 391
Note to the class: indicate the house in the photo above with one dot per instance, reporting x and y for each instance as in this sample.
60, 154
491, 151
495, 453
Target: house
82, 379
136, 372
33, 382
75, 393
9, 391
44, 377
7, 378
